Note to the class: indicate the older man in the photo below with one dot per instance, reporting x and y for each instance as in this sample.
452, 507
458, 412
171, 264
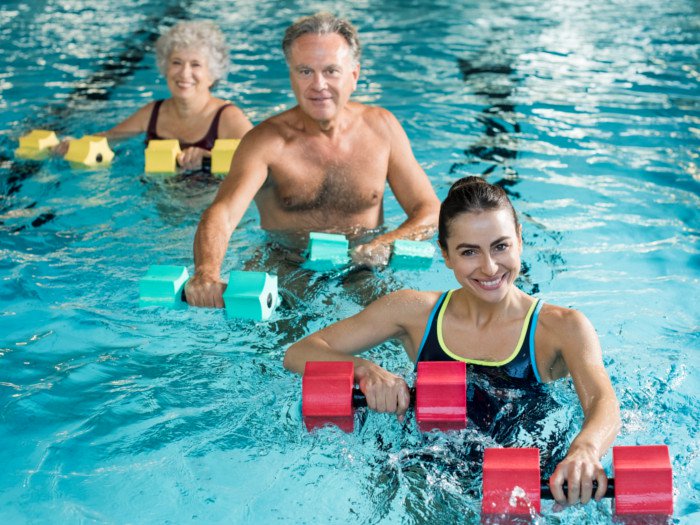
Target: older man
320, 166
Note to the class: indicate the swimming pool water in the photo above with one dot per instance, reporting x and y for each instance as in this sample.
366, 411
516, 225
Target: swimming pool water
588, 114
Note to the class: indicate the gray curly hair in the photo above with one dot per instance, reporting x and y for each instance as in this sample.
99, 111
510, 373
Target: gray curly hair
200, 35
322, 24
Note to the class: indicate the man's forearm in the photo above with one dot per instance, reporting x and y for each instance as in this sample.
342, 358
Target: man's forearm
210, 244
420, 225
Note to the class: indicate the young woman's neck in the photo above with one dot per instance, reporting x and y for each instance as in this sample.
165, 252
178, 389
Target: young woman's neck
475, 310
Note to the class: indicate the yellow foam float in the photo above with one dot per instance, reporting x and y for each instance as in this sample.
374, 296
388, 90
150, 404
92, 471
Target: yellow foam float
90, 151
161, 156
36, 144
222, 155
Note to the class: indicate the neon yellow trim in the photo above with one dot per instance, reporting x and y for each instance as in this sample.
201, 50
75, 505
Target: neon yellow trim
518, 346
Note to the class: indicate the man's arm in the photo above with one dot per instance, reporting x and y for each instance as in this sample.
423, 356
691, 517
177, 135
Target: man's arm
247, 175
413, 191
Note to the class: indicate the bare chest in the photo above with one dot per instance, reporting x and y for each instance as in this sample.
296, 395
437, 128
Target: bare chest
343, 180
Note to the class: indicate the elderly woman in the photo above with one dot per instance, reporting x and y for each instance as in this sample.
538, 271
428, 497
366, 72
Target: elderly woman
193, 57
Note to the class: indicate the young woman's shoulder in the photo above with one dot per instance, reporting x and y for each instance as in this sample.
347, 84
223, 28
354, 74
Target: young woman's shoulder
408, 303
555, 319
564, 336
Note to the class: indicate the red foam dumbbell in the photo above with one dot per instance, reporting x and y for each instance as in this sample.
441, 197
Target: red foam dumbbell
329, 396
643, 483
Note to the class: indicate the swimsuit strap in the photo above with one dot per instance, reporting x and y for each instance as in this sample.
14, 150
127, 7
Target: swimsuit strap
153, 121
207, 142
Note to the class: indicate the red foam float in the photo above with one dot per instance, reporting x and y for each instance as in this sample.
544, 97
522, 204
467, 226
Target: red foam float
511, 481
327, 394
441, 395
643, 480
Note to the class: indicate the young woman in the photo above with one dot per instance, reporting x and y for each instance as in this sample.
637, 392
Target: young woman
193, 57
512, 342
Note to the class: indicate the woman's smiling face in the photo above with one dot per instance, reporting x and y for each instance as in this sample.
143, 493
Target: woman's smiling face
483, 249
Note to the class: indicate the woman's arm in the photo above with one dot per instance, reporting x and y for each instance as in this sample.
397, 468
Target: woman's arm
380, 321
129, 127
132, 125
581, 353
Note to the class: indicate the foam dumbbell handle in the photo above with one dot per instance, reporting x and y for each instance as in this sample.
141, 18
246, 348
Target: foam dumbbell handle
546, 492
269, 300
359, 399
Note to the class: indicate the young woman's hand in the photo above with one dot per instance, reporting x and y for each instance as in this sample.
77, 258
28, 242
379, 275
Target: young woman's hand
385, 392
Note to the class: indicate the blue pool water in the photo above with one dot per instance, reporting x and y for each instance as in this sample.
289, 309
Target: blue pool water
588, 113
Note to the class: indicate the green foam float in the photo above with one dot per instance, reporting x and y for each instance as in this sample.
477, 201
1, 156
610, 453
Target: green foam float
329, 251
248, 295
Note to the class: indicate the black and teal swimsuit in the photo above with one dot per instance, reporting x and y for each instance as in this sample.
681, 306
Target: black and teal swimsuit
494, 389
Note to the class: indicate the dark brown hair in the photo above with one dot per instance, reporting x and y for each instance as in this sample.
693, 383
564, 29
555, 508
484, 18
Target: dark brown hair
471, 194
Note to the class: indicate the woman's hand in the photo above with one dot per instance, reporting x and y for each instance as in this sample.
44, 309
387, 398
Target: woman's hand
61, 148
578, 470
385, 392
191, 158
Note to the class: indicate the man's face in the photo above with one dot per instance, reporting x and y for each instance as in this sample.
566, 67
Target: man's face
323, 75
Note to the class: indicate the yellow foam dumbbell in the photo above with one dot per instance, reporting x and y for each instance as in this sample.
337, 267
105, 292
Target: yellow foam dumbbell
222, 154
36, 144
161, 156
90, 151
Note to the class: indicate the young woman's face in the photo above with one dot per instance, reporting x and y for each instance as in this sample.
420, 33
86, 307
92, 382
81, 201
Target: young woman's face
483, 249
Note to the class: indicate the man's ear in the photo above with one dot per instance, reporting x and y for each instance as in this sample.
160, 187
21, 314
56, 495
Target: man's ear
355, 76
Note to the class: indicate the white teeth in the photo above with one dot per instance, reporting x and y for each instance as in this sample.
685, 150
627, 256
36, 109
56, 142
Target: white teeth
490, 283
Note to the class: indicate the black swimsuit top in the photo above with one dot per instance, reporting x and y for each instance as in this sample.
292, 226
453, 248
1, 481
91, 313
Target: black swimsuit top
498, 393
519, 370
206, 142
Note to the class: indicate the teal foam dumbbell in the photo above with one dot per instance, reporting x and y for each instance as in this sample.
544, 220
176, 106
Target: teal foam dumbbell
417, 255
327, 251
248, 295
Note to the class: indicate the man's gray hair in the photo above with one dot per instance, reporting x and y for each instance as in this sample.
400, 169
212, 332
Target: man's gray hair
202, 36
322, 24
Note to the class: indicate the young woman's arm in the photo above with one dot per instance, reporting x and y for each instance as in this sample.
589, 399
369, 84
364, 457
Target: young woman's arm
380, 321
582, 356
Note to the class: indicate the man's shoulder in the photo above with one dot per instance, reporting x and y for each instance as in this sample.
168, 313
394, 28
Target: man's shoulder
282, 126
370, 111
378, 118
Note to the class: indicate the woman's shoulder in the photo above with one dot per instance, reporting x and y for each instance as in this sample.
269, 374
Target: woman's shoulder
409, 302
559, 323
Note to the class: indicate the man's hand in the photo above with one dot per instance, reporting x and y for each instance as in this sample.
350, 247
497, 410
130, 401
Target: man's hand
205, 291
578, 469
385, 392
371, 254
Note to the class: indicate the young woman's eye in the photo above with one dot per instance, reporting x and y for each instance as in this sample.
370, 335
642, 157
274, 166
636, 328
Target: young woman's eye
501, 247
468, 253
